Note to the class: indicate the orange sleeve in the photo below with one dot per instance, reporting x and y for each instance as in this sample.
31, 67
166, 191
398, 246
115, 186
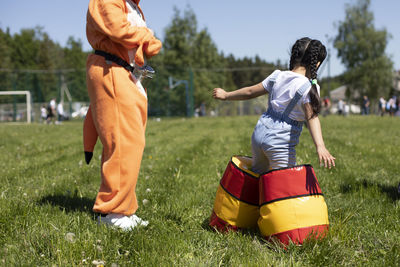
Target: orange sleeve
153, 47
150, 49
109, 17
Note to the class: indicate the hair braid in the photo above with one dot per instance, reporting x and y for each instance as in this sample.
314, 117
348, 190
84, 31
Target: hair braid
314, 96
313, 53
298, 51
314, 61
294, 56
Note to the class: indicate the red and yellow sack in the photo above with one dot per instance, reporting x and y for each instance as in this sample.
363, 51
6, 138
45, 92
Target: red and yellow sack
292, 206
236, 203
286, 204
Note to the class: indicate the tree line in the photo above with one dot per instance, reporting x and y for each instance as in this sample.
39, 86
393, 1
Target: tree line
30, 60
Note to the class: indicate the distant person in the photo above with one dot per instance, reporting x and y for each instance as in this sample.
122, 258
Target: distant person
327, 106
118, 34
382, 106
43, 114
197, 112
294, 100
365, 106
346, 110
60, 112
391, 106
340, 107
51, 111
203, 109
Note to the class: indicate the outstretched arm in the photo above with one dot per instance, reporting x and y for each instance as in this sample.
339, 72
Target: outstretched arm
314, 126
240, 94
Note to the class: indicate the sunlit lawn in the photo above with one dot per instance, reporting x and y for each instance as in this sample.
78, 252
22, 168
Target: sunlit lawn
47, 192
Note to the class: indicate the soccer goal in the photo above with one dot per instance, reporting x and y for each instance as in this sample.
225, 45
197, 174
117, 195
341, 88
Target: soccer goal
28, 101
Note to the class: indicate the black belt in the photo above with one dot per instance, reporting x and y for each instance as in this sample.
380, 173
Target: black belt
115, 59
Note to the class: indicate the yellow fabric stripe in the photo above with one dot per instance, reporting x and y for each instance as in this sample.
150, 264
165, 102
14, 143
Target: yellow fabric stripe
235, 212
244, 164
292, 213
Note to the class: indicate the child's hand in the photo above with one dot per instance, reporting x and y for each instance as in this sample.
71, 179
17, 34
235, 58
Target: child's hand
219, 93
325, 158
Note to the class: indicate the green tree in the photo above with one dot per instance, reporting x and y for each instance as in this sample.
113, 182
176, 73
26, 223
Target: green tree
23, 52
5, 49
75, 62
25, 49
30, 60
178, 46
361, 48
186, 53
188, 50
248, 71
34, 56
208, 65
179, 38
48, 58
5, 63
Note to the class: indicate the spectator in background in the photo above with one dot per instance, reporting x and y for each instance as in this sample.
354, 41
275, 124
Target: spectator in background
202, 109
340, 107
365, 107
382, 106
43, 114
391, 106
346, 111
51, 111
327, 106
60, 112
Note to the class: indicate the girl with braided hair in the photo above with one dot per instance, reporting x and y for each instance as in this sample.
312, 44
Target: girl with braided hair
294, 99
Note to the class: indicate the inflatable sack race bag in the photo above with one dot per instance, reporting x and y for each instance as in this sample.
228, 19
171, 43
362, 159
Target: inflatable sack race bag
286, 204
236, 204
292, 206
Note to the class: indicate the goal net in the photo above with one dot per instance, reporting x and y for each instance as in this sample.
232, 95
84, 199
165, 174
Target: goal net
16, 111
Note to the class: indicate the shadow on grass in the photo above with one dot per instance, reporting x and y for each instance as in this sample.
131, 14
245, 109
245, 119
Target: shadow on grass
206, 225
254, 233
251, 232
390, 191
69, 203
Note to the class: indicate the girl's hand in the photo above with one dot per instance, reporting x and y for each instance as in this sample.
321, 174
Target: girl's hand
325, 158
219, 93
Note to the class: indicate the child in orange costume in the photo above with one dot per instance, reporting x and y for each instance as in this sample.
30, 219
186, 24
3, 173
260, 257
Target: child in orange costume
118, 109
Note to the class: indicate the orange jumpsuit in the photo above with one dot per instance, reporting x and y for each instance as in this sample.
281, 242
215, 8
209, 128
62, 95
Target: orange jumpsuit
118, 103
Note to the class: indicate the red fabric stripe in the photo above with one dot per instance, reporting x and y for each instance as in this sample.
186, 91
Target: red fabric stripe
240, 184
299, 235
220, 224
289, 182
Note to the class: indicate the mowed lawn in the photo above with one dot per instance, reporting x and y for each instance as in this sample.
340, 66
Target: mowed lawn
47, 192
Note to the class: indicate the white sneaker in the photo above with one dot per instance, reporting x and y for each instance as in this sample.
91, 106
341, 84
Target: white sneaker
117, 220
138, 221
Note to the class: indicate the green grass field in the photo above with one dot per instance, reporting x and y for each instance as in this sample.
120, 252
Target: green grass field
47, 192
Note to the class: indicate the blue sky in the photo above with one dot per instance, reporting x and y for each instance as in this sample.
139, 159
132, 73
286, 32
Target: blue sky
258, 27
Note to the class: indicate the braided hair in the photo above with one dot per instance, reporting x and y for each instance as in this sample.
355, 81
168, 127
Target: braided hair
307, 53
